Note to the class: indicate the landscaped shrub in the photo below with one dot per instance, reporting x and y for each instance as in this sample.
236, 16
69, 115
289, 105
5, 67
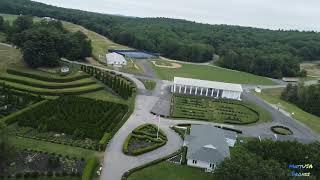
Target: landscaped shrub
144, 133
47, 78
282, 130
47, 85
89, 170
74, 115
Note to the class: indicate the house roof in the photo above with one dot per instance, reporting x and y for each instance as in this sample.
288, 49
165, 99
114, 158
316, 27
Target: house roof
208, 84
207, 143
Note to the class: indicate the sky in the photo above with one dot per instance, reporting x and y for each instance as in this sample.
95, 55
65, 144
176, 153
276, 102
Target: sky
270, 14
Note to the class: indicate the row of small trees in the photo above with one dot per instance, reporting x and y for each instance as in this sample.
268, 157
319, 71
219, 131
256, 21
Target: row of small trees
117, 83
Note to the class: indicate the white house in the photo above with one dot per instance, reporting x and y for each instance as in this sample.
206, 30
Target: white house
115, 59
206, 88
208, 146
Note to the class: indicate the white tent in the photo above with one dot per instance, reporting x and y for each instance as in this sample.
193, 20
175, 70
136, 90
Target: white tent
115, 59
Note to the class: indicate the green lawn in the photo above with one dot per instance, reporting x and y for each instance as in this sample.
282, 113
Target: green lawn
170, 171
100, 44
149, 84
9, 57
26, 143
211, 73
273, 96
104, 96
45, 178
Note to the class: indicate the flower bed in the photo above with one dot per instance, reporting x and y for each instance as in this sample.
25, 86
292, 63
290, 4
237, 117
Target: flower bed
29, 163
144, 139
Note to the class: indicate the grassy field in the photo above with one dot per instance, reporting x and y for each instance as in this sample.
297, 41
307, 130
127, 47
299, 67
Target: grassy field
312, 68
100, 44
170, 171
273, 96
26, 143
149, 84
210, 73
234, 112
9, 57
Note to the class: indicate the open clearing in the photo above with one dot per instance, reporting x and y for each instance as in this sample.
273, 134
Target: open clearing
220, 111
9, 57
210, 73
312, 68
170, 171
273, 97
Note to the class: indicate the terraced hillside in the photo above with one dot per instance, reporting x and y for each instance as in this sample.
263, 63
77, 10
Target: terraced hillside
49, 84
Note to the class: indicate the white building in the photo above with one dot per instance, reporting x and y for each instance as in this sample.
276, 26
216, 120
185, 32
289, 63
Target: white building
208, 146
206, 88
115, 59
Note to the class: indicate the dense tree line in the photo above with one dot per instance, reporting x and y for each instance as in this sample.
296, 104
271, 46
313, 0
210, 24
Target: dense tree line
270, 160
117, 83
44, 43
305, 97
258, 51
81, 117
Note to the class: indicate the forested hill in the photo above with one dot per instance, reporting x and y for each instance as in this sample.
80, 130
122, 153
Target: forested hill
258, 51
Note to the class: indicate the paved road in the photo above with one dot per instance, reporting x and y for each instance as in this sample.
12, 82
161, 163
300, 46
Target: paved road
116, 163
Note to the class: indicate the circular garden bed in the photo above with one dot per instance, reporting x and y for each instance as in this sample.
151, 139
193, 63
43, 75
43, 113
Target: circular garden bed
144, 139
281, 130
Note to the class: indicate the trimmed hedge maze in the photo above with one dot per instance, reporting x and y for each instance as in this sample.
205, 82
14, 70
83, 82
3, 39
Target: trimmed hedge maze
144, 139
49, 84
216, 110
70, 120
11, 101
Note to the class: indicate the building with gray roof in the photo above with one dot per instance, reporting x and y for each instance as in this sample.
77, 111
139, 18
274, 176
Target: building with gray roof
207, 146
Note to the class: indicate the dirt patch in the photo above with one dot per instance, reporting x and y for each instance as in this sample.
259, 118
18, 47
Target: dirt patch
172, 66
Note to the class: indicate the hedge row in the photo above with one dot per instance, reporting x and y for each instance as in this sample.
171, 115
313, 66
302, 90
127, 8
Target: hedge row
46, 78
273, 129
60, 92
89, 170
46, 85
179, 131
125, 147
147, 149
14, 116
128, 173
230, 129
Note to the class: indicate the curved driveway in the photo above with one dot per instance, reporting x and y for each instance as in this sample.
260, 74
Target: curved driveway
116, 163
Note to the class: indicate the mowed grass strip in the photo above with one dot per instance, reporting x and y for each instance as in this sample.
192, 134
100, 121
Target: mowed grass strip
273, 97
54, 92
9, 57
45, 76
210, 73
170, 171
44, 84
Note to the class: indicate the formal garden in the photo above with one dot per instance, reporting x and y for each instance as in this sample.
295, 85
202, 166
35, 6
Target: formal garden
12, 101
69, 120
216, 110
144, 139
32, 164
49, 84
